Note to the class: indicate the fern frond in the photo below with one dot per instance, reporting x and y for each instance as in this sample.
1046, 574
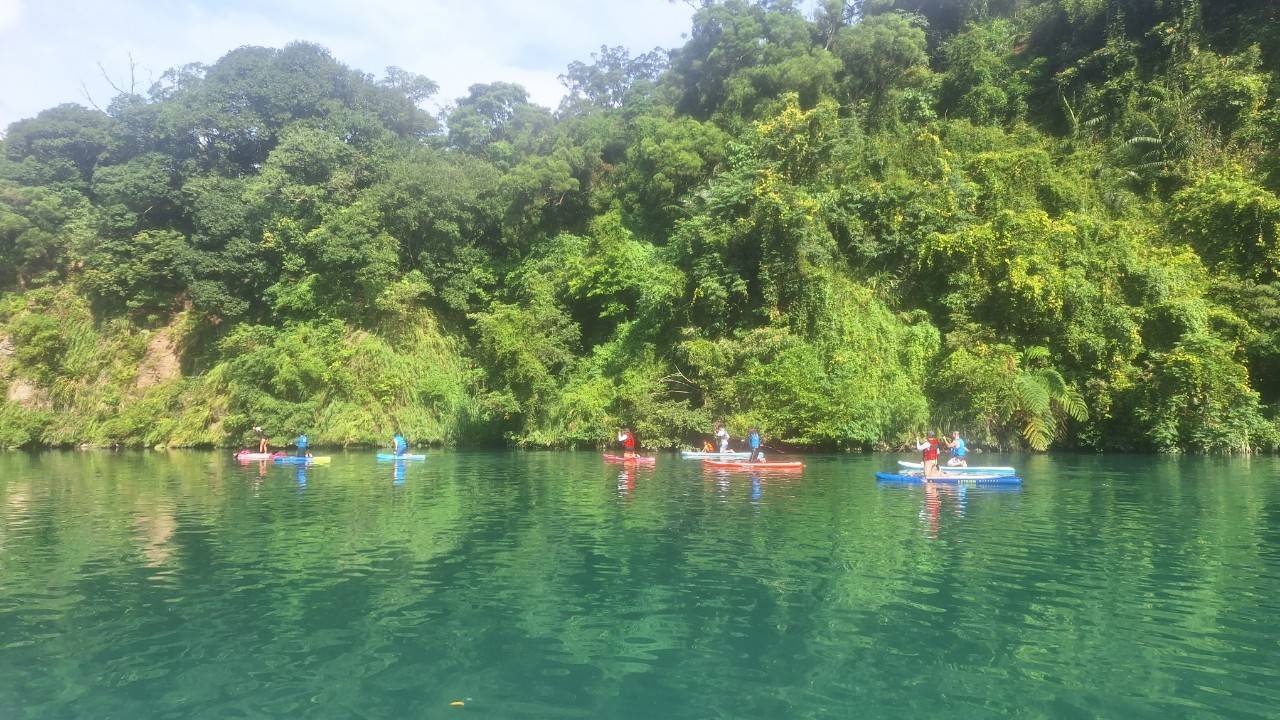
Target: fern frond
1035, 353
1072, 403
1140, 140
1038, 432
1033, 397
1052, 381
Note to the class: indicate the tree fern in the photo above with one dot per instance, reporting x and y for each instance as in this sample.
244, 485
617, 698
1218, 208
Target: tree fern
1041, 397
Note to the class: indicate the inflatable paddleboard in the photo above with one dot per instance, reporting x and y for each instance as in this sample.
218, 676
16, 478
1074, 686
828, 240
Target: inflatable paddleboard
739, 465
294, 460
980, 470
397, 458
245, 455
951, 478
637, 460
699, 455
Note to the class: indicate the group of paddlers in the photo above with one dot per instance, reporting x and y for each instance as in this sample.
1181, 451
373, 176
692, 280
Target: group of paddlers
755, 442
932, 445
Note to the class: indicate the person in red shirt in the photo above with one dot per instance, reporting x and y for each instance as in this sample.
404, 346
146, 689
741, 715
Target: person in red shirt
930, 453
628, 441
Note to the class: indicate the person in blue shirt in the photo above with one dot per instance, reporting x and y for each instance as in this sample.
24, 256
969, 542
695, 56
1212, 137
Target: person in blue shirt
754, 442
301, 444
958, 451
399, 445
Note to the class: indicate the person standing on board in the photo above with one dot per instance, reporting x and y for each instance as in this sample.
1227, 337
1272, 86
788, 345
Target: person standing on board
262, 438
930, 457
398, 444
628, 441
301, 444
722, 437
754, 442
958, 451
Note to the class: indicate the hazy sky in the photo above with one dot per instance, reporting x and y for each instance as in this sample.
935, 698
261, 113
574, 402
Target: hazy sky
49, 48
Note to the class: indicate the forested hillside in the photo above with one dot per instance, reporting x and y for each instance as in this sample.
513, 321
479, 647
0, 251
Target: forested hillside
1040, 222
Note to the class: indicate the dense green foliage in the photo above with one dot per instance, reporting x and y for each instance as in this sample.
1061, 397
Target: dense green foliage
1041, 222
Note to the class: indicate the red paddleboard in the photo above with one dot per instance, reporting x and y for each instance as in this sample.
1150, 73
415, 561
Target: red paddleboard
638, 460
245, 455
732, 465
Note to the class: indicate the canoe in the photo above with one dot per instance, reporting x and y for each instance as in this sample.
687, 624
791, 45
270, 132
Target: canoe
739, 465
951, 478
294, 460
698, 454
248, 456
637, 460
397, 458
980, 470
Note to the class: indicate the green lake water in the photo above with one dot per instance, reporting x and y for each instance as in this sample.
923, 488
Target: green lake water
552, 585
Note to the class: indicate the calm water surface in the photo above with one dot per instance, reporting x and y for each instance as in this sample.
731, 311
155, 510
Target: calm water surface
551, 585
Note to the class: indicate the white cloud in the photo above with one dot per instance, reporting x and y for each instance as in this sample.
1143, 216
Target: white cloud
49, 49
10, 13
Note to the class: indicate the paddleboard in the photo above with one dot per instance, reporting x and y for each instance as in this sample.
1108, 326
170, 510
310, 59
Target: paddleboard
980, 470
397, 458
637, 460
738, 465
951, 478
294, 460
698, 454
249, 456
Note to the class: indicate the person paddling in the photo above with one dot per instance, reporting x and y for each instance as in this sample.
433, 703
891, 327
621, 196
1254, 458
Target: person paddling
722, 437
929, 458
958, 451
754, 442
628, 440
398, 444
301, 444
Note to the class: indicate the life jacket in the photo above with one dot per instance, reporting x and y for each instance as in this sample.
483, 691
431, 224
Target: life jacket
628, 441
302, 442
931, 452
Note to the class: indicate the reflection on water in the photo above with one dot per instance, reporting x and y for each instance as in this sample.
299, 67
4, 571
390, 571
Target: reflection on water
554, 585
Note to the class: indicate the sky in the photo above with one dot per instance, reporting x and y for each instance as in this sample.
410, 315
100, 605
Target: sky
50, 49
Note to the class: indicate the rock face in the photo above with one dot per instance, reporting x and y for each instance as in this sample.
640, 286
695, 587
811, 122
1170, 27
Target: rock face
160, 363
26, 394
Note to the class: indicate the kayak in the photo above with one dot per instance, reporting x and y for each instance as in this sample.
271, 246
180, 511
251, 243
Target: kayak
956, 470
246, 455
637, 460
739, 465
397, 458
951, 478
294, 460
698, 454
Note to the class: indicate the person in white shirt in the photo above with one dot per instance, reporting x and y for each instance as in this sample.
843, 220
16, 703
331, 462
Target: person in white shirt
722, 437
